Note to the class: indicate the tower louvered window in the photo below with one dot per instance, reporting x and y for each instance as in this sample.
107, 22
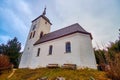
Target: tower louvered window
34, 26
41, 34
30, 35
33, 33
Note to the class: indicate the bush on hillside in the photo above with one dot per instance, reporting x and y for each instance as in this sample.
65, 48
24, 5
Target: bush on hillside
114, 71
4, 62
109, 60
113, 58
12, 50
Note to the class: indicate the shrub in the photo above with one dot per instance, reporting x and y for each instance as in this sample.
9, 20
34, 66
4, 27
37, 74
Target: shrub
4, 62
114, 63
109, 60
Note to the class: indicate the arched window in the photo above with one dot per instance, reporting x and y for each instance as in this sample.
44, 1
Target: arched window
50, 49
30, 35
33, 33
41, 34
38, 52
68, 47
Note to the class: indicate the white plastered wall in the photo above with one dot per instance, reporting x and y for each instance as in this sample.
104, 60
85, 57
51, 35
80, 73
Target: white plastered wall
27, 53
81, 52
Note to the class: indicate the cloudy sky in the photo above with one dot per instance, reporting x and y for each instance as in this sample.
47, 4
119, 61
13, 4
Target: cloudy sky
100, 17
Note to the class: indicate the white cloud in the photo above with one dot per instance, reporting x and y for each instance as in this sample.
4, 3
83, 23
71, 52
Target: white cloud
16, 16
21, 9
98, 17
14, 26
14, 23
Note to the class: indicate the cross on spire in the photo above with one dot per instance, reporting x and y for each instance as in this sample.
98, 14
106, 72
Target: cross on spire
44, 12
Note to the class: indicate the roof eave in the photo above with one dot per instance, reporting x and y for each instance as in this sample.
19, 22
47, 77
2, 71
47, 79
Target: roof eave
63, 36
42, 17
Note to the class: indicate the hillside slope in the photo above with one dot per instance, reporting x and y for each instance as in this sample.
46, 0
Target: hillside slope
51, 74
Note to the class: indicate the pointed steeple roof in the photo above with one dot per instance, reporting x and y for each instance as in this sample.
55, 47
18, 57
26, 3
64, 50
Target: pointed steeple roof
43, 16
44, 12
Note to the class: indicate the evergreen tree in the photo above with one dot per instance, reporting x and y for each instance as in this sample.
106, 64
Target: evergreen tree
12, 50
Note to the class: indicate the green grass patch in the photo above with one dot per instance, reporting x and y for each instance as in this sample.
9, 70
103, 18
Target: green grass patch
34, 74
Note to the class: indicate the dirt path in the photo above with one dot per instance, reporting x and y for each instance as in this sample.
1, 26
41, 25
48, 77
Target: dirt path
13, 71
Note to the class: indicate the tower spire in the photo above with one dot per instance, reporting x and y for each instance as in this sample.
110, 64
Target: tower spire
44, 12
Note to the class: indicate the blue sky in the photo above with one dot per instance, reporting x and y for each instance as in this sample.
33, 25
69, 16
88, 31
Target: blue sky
100, 17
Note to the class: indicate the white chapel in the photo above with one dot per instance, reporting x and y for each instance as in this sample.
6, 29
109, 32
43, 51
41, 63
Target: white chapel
69, 45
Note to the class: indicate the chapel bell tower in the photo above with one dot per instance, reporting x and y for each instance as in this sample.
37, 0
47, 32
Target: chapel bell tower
40, 26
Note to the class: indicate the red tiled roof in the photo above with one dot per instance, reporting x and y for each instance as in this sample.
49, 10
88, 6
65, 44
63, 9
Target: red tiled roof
75, 28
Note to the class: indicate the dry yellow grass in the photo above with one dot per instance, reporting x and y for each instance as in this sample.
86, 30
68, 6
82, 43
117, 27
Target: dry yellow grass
82, 74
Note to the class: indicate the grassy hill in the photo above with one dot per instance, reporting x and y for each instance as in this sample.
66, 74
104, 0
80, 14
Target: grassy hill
34, 74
